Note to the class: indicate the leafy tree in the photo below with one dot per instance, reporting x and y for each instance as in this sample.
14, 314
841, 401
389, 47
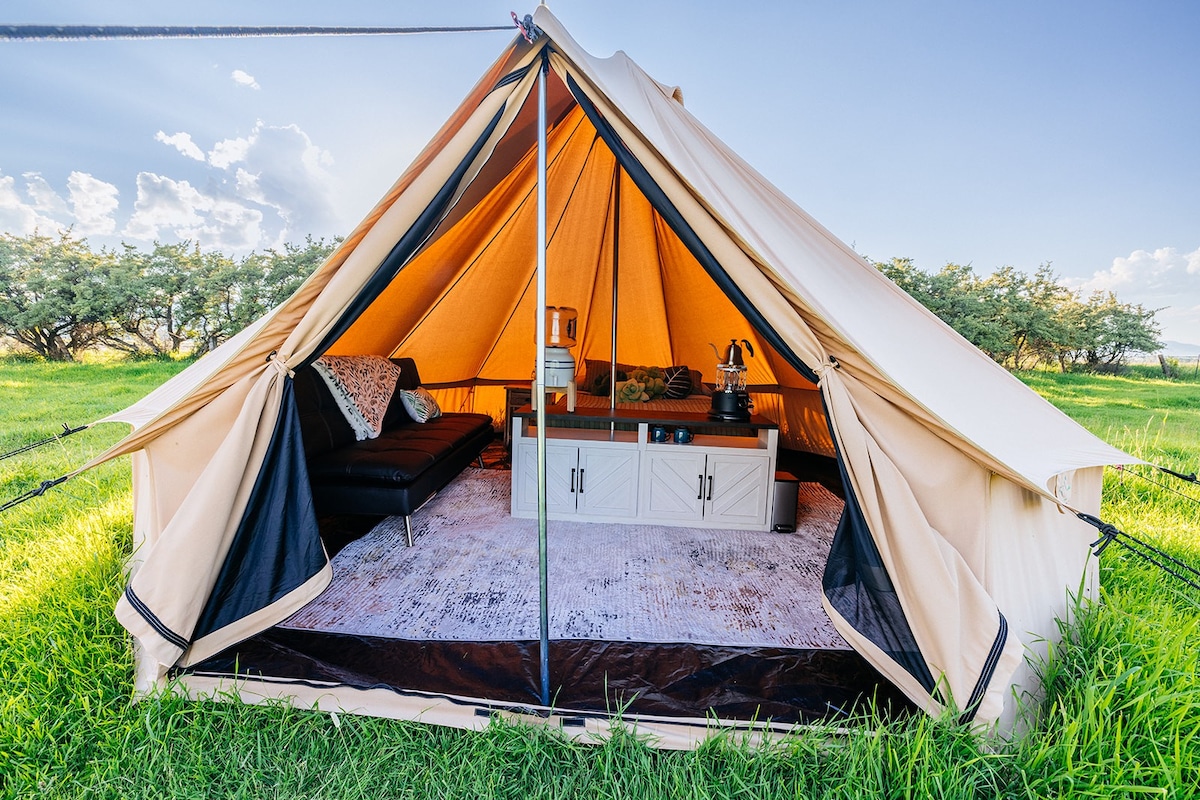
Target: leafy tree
1115, 329
56, 296
1026, 311
279, 274
159, 312
1021, 320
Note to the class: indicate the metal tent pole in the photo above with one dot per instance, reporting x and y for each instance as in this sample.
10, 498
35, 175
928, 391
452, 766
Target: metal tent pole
539, 388
616, 261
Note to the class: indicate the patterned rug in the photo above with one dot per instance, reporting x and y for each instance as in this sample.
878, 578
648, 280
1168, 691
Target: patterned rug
473, 576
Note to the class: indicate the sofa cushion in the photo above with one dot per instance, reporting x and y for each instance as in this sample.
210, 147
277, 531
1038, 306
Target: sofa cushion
402, 454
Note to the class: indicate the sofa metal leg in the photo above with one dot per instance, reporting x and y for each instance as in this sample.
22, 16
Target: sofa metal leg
479, 458
408, 530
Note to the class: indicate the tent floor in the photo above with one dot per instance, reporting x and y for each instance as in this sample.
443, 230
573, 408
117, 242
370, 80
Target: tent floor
747, 681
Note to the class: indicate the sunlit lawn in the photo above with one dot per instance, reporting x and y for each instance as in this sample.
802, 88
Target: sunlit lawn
1122, 717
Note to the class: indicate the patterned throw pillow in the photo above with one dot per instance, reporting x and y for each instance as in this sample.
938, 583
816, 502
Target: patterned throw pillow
419, 404
679, 382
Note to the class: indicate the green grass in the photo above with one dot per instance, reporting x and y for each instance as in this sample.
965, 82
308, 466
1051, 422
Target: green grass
1121, 717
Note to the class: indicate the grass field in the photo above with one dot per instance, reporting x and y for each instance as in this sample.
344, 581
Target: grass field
1121, 719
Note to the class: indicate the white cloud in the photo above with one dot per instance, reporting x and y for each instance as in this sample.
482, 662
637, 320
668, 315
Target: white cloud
243, 78
182, 142
1164, 279
16, 216
227, 152
279, 190
168, 208
1164, 271
44, 199
251, 192
89, 208
93, 204
281, 168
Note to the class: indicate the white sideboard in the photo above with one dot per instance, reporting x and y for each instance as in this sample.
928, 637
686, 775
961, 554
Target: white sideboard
724, 478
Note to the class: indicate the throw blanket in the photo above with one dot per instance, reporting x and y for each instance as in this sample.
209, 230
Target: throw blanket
362, 387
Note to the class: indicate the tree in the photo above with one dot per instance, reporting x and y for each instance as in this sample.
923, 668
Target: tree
1115, 329
1021, 320
279, 274
56, 296
158, 312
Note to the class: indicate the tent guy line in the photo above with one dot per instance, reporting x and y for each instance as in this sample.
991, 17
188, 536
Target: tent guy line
94, 32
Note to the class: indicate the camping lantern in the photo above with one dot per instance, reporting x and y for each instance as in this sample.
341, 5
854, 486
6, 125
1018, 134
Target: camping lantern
731, 401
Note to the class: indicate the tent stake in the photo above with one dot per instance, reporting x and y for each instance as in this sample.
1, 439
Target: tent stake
539, 388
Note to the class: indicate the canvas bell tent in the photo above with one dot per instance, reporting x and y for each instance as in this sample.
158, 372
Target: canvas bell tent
956, 550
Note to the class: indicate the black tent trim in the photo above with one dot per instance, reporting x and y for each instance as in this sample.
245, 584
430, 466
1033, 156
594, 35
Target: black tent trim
153, 621
989, 669
512, 77
857, 584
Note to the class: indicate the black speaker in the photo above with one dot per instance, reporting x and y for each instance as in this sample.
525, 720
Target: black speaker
787, 494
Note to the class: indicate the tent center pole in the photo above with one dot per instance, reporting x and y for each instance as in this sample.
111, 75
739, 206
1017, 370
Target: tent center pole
539, 388
616, 263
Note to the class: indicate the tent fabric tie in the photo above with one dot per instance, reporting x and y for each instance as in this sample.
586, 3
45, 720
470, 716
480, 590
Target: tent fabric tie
1147, 552
32, 493
280, 364
67, 431
821, 369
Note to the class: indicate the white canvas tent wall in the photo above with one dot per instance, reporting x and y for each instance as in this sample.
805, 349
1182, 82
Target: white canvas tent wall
959, 550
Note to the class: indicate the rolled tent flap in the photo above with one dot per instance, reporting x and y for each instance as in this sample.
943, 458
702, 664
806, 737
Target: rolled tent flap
277, 547
174, 579
927, 594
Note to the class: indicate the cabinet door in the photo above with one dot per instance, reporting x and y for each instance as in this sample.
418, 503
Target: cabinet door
673, 484
738, 492
562, 475
608, 481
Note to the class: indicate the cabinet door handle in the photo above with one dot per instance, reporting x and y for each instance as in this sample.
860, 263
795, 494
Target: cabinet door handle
581, 481
700, 492
572, 480
710, 477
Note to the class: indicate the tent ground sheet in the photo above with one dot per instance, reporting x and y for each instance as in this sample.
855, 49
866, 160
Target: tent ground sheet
472, 575
650, 619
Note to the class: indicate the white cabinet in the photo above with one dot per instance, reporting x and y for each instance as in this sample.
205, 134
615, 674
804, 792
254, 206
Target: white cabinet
720, 480
709, 486
598, 480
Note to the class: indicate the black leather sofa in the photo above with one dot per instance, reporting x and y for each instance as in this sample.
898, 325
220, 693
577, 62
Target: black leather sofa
394, 474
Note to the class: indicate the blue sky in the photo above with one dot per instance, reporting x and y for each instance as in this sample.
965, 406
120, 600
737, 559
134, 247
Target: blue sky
993, 134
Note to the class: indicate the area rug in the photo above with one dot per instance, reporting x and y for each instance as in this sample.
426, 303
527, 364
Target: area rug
472, 575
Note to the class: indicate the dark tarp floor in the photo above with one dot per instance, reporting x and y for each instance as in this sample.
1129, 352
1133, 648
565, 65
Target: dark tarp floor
677, 679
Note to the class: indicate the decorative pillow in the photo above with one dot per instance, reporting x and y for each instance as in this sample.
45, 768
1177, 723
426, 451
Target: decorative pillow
679, 382
362, 387
651, 380
632, 391
698, 386
419, 404
596, 378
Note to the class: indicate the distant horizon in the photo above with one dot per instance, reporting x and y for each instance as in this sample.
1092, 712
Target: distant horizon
1012, 135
